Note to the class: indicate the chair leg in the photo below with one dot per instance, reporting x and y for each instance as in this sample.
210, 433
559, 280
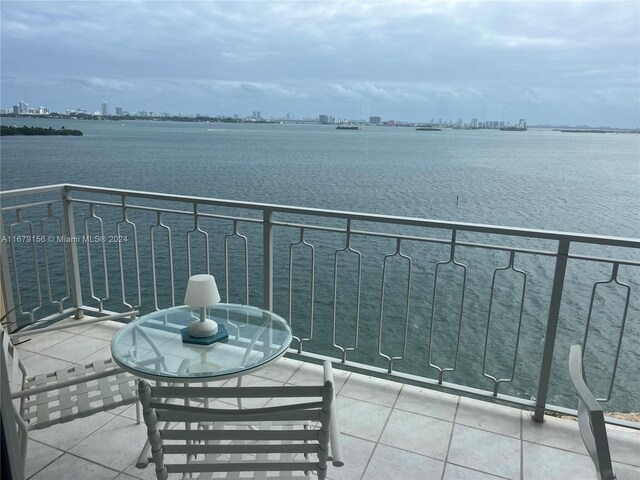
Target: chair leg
24, 437
145, 456
138, 413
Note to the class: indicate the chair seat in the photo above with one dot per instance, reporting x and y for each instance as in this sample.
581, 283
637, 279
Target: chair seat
281, 441
81, 399
247, 459
252, 475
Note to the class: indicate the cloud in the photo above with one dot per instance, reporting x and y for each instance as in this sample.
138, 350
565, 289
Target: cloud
517, 41
16, 29
109, 84
338, 55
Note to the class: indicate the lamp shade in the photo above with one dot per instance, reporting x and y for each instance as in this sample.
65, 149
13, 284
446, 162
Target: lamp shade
202, 291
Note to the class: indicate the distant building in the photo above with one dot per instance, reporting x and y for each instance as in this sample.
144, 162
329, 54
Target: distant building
375, 120
256, 115
325, 119
24, 107
16, 109
474, 123
105, 109
522, 123
118, 110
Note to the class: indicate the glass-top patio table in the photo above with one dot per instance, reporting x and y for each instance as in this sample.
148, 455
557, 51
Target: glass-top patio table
152, 346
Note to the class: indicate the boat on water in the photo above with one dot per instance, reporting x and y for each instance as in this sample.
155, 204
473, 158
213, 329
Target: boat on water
515, 128
347, 127
428, 129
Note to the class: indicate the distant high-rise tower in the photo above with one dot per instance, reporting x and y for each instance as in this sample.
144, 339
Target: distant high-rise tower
474, 123
257, 115
522, 123
118, 110
24, 107
375, 120
325, 119
105, 109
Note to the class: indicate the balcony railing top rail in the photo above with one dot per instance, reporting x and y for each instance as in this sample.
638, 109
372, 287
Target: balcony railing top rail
66, 189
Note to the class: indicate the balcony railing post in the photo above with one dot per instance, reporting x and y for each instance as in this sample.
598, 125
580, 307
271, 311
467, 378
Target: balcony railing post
71, 245
267, 258
552, 327
6, 287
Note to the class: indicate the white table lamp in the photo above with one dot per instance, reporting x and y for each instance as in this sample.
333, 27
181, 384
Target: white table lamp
202, 292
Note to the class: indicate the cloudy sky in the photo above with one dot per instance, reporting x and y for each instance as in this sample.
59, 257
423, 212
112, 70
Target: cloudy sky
560, 62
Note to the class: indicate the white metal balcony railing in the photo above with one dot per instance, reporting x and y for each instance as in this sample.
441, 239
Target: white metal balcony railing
481, 310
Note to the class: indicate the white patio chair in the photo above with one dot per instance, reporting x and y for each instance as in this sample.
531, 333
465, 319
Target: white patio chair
286, 441
591, 422
47, 399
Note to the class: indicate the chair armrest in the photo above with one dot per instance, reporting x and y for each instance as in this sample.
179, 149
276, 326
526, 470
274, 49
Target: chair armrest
66, 383
335, 447
590, 418
28, 333
577, 378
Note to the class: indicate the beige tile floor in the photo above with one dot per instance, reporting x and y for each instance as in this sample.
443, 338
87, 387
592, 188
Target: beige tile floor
389, 430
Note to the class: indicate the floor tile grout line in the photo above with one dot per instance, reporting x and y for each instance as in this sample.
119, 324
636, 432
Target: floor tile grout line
395, 447
62, 452
562, 449
257, 374
521, 446
73, 362
524, 441
339, 391
453, 426
488, 431
476, 470
377, 442
118, 472
403, 409
113, 417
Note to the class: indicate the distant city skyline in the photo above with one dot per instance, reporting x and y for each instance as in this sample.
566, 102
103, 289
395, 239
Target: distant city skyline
23, 108
550, 62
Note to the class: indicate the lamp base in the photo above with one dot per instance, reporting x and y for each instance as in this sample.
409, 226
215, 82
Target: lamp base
203, 328
218, 337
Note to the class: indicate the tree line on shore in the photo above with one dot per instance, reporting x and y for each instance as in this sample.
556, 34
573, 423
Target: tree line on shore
24, 130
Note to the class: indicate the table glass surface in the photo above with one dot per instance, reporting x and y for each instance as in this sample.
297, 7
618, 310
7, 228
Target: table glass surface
152, 347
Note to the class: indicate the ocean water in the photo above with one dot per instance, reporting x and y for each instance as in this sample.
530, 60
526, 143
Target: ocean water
535, 179
538, 179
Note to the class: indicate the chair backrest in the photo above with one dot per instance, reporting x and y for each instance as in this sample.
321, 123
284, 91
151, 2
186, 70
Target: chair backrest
268, 439
590, 418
